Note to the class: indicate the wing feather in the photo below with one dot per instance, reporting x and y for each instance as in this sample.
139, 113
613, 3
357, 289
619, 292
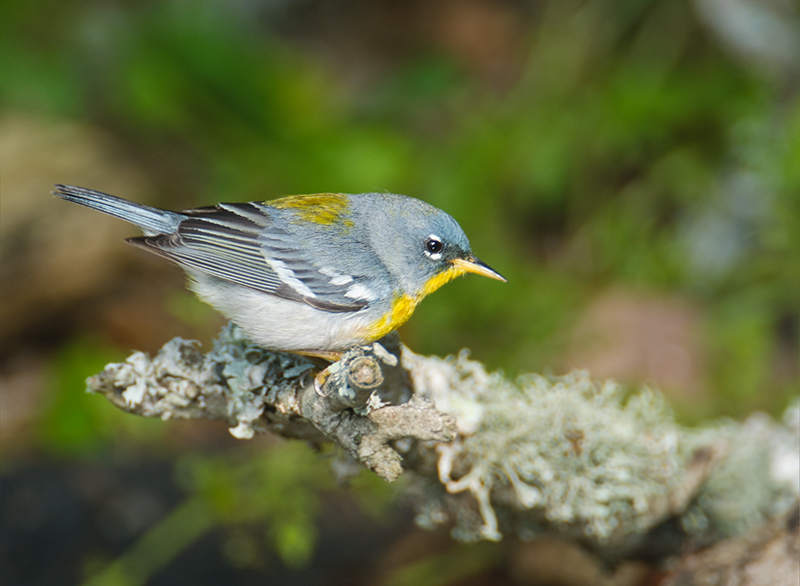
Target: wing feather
241, 244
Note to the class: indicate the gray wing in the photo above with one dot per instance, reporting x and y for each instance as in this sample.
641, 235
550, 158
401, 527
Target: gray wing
241, 244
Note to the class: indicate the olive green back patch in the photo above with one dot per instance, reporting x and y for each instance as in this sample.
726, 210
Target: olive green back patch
320, 208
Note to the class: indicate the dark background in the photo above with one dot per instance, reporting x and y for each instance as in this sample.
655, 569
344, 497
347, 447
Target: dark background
632, 167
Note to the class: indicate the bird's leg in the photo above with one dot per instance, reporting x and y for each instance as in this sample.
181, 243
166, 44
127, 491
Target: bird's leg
323, 358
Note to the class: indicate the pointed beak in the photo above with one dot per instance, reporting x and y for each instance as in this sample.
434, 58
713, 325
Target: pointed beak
474, 265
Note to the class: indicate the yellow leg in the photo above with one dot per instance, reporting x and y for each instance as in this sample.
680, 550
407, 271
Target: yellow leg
323, 354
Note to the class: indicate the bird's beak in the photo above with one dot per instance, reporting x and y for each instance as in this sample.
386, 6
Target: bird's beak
474, 265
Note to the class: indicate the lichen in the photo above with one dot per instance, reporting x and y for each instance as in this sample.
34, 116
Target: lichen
758, 480
541, 455
587, 456
571, 456
233, 382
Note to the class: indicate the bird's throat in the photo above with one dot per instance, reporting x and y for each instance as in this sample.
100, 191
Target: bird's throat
442, 278
404, 305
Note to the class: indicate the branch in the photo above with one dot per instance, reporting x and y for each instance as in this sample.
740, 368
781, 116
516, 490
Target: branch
558, 456
257, 391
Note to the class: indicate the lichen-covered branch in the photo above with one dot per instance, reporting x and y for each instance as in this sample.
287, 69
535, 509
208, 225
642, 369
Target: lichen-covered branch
255, 391
561, 456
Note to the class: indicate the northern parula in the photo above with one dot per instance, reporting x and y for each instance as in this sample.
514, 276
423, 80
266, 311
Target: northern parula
313, 274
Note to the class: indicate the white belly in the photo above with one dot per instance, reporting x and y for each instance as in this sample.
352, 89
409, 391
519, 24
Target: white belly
279, 324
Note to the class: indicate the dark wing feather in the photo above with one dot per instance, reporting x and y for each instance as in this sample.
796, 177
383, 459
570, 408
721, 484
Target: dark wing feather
233, 241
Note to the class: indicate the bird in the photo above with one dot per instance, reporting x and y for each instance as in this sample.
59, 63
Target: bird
309, 274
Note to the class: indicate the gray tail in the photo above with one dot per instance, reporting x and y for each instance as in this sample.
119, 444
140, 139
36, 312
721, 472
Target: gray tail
152, 221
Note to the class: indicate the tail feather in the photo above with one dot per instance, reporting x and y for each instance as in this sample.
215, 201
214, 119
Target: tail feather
152, 221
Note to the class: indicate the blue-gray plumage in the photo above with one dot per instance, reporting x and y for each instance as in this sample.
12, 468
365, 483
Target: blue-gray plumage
312, 273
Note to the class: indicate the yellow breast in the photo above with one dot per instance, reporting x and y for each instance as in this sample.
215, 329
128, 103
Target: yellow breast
404, 305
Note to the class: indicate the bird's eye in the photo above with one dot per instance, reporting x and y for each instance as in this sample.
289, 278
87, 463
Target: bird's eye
433, 245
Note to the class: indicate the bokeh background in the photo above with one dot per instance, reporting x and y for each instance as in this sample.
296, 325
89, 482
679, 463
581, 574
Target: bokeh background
632, 167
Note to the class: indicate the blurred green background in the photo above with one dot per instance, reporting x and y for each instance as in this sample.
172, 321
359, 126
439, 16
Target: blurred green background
632, 167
